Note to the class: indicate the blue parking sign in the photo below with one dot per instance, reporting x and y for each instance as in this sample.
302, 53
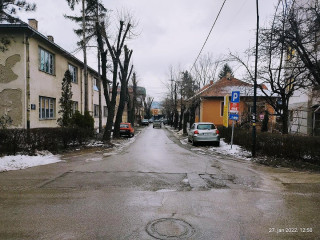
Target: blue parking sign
234, 117
235, 97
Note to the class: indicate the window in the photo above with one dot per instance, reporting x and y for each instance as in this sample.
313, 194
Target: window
221, 108
47, 108
46, 61
105, 111
206, 126
95, 84
96, 110
73, 71
74, 106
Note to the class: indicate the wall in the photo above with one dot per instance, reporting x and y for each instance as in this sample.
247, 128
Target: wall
12, 81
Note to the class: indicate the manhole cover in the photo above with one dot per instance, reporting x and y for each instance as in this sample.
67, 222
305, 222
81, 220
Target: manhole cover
170, 228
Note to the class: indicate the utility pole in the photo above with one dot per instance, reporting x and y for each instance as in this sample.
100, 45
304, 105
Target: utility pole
254, 115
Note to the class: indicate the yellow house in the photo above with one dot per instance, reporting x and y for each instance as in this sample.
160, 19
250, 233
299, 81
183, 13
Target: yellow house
212, 101
31, 73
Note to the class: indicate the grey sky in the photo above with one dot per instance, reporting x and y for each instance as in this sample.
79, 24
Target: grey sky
171, 32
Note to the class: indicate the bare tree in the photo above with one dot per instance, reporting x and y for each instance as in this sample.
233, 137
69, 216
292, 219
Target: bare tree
302, 34
132, 103
278, 69
124, 76
205, 69
147, 106
115, 50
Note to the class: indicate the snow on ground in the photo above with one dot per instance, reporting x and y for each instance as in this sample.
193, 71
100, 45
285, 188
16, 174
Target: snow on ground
236, 150
18, 162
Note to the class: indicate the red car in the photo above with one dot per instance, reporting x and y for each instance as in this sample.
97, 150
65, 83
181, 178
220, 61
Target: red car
126, 129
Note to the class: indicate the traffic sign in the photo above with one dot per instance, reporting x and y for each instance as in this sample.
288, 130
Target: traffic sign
234, 108
233, 116
235, 96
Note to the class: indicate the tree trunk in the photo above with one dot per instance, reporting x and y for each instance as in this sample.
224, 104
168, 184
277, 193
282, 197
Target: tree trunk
85, 68
185, 121
284, 119
122, 103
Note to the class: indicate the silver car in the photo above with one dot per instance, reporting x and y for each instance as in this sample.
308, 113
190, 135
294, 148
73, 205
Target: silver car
204, 132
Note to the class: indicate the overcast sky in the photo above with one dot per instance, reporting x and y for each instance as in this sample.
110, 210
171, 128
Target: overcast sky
172, 32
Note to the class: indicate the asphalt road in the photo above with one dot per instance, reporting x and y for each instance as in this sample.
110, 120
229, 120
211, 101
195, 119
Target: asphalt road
157, 188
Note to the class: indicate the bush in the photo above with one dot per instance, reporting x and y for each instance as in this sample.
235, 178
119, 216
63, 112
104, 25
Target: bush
293, 147
85, 121
51, 139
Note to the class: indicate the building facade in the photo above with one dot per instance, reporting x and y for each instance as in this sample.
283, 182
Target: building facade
31, 73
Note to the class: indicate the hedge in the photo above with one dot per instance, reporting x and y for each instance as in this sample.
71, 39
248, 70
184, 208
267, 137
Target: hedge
13, 141
293, 147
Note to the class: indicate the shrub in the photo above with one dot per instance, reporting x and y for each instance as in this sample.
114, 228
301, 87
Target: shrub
292, 147
52, 139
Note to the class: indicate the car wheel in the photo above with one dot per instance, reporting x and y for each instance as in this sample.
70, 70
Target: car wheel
216, 144
193, 142
189, 140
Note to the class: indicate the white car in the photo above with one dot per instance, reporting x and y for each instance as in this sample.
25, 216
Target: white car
204, 132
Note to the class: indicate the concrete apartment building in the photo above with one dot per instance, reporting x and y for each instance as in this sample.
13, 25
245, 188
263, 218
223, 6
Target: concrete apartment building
31, 73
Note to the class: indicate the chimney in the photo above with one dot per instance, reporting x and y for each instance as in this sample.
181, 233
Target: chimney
228, 75
211, 82
50, 38
33, 23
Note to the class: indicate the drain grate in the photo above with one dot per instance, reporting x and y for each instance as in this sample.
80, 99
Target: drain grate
170, 228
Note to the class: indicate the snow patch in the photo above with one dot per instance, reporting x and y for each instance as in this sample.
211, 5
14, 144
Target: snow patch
9, 163
236, 150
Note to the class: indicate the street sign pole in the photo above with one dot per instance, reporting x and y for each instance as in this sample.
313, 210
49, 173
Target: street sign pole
232, 133
234, 110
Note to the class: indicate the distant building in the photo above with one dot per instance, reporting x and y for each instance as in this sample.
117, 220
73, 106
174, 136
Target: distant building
31, 72
212, 101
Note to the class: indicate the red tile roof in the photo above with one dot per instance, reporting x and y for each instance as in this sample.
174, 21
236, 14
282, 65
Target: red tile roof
222, 87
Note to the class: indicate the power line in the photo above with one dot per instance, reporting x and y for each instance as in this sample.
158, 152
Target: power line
208, 36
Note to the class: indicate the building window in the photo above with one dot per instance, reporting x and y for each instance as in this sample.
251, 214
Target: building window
46, 61
96, 110
105, 111
73, 71
74, 107
221, 108
47, 108
95, 84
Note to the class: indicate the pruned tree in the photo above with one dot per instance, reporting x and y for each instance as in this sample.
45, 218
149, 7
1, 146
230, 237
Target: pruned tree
132, 103
114, 49
147, 106
124, 76
226, 69
65, 101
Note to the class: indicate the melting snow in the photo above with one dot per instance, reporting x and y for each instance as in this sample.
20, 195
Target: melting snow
18, 162
235, 151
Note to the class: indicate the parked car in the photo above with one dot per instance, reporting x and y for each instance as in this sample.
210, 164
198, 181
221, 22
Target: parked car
157, 123
165, 121
126, 129
204, 132
145, 122
151, 120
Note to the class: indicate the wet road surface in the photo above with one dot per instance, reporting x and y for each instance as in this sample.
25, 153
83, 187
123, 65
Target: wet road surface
158, 188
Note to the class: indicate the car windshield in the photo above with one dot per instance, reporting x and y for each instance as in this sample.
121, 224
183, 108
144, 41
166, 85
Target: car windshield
206, 126
124, 126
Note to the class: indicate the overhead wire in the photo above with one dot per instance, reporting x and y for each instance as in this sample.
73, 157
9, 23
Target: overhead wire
205, 42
